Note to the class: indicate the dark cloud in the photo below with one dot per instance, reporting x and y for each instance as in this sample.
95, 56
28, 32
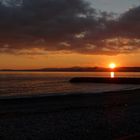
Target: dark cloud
129, 23
32, 26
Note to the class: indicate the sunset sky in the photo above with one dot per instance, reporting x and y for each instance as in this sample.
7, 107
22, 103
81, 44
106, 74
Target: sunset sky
67, 33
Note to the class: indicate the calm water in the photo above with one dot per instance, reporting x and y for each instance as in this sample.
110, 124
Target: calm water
32, 83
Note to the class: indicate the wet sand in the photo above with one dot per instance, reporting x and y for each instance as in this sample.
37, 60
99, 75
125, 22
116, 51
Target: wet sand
105, 116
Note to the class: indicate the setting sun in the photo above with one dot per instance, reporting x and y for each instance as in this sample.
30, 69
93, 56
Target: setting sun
112, 65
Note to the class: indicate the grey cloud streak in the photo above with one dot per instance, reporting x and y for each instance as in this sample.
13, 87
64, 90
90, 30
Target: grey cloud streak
66, 25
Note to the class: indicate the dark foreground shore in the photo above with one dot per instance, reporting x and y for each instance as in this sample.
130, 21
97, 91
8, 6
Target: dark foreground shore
106, 116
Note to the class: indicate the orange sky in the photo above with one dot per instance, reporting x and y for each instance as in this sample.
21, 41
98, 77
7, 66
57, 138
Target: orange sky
66, 60
92, 31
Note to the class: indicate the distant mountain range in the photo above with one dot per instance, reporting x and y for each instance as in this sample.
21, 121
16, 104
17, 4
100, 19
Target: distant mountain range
79, 69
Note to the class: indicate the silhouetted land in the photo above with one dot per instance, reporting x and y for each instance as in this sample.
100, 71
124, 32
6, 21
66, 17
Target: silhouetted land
105, 116
120, 80
79, 69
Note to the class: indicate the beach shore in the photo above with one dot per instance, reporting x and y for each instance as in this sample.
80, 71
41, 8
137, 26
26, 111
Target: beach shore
110, 115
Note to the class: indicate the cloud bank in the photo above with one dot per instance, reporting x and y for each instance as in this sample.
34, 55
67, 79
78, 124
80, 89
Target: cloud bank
40, 26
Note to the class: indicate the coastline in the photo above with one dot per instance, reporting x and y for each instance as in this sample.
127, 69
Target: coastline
71, 100
121, 91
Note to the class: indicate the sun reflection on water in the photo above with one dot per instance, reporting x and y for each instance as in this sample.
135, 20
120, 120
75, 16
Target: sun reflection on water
112, 74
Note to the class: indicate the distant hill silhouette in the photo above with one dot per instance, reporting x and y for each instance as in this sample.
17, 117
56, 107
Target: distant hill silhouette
79, 69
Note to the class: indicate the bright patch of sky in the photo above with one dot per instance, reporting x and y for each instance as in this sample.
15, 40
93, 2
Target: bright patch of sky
116, 6
9, 3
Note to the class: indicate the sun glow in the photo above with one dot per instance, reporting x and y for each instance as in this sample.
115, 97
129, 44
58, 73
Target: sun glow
112, 65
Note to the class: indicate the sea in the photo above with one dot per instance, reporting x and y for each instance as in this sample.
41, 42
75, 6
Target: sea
55, 83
